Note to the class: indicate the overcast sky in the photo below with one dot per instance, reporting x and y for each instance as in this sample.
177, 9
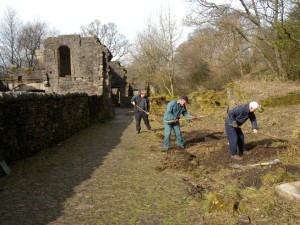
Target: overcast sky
68, 16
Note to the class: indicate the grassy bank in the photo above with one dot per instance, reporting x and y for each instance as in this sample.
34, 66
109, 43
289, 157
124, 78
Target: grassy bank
227, 195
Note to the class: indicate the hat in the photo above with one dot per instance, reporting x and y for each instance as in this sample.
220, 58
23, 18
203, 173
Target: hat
254, 105
184, 97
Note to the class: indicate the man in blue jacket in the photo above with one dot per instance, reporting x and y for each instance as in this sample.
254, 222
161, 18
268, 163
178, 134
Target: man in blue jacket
236, 117
175, 108
141, 109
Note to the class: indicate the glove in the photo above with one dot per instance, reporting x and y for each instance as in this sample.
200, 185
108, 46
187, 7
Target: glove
234, 124
176, 121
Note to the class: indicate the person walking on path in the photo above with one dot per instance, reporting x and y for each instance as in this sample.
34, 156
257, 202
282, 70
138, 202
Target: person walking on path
235, 118
141, 110
174, 109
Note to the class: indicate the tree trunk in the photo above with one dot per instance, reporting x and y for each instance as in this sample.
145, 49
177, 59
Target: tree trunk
281, 71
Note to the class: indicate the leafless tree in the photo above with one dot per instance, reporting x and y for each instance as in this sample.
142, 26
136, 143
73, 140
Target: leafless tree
10, 27
108, 34
154, 51
30, 40
92, 29
258, 22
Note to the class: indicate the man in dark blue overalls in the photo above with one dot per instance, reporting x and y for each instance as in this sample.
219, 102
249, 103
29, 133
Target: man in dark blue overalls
141, 109
236, 117
175, 108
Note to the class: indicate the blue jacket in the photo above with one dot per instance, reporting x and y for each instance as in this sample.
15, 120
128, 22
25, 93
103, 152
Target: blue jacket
174, 110
241, 114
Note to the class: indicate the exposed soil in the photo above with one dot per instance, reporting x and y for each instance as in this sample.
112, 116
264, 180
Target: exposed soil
229, 190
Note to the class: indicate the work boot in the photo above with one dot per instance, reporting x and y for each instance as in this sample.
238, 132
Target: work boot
165, 150
245, 153
236, 157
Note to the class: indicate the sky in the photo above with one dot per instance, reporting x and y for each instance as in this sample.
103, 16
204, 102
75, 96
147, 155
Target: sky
67, 16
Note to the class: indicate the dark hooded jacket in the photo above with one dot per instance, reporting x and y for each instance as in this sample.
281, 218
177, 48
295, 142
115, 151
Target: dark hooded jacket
142, 102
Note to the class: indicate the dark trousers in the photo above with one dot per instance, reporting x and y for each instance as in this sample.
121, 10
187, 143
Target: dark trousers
236, 139
138, 117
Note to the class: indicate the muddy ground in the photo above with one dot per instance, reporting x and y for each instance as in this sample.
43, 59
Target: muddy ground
238, 192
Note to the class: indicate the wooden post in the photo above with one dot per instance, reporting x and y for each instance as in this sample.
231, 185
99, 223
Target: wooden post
229, 98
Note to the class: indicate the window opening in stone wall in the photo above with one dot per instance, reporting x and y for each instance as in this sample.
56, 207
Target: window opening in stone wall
64, 61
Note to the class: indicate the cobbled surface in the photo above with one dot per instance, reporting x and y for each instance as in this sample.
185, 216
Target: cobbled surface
104, 175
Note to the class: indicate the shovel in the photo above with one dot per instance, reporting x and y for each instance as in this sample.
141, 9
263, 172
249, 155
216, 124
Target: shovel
271, 163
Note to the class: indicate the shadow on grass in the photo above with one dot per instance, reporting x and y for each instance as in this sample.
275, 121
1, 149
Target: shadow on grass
39, 186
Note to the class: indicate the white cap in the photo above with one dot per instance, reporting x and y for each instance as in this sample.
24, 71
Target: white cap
254, 105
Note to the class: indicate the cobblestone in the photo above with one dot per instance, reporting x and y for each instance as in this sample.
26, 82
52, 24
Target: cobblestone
104, 175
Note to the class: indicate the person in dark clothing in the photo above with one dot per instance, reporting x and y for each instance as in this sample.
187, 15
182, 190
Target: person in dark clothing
174, 109
235, 118
141, 110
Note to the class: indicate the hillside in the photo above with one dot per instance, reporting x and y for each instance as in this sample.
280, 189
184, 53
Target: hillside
232, 191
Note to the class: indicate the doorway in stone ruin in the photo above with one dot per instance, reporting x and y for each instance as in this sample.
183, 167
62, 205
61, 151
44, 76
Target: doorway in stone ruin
64, 61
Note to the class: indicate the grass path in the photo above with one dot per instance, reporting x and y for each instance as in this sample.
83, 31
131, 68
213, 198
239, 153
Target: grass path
104, 175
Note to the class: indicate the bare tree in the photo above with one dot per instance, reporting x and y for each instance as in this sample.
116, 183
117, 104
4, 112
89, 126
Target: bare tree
291, 27
92, 29
9, 34
259, 23
155, 51
144, 64
108, 34
31, 37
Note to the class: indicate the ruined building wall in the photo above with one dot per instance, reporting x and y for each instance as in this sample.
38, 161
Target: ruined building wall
75, 64
77, 85
119, 85
30, 122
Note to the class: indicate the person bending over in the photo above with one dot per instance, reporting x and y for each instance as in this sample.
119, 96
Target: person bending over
233, 122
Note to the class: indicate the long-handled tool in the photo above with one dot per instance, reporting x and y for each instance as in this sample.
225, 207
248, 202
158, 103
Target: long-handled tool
172, 121
293, 142
270, 136
271, 163
141, 109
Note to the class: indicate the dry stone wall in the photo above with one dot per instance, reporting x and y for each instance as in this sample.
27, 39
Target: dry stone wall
70, 90
30, 122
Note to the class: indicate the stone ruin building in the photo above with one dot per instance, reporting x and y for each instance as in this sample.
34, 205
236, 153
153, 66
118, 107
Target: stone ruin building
73, 64
80, 85
121, 89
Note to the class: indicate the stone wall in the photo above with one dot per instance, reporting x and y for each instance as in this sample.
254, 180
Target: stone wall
76, 64
30, 122
119, 85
